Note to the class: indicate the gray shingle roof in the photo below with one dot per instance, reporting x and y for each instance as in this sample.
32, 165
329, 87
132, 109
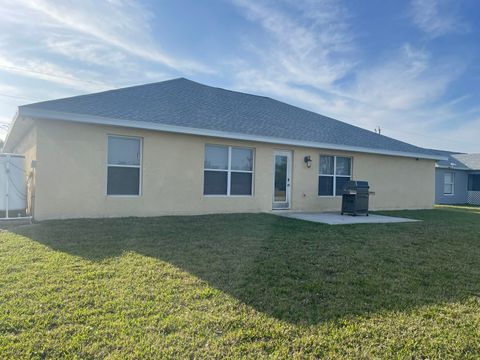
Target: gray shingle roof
458, 160
451, 161
472, 161
185, 103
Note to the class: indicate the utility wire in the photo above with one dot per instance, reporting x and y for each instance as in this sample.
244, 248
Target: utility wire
15, 68
431, 137
4, 126
18, 97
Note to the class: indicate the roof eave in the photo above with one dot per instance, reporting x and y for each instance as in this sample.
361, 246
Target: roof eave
453, 167
64, 116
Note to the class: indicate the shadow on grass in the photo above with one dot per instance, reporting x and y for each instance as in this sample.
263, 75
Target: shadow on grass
296, 271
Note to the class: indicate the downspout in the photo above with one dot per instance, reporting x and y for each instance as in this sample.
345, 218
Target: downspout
7, 171
31, 187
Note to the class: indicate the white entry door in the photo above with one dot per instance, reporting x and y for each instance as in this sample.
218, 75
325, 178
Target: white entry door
282, 175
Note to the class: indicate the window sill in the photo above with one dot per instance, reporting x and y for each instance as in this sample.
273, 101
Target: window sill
228, 196
123, 196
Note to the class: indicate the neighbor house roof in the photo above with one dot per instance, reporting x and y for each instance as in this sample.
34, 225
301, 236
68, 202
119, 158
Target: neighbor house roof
451, 161
472, 161
458, 161
185, 106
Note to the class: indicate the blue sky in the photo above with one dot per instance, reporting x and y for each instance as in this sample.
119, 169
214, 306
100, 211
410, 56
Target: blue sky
410, 67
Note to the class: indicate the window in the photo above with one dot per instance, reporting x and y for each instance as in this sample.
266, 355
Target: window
124, 165
448, 183
334, 173
474, 182
228, 171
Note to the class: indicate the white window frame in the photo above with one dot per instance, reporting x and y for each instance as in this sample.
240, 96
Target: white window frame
229, 170
140, 180
334, 175
452, 184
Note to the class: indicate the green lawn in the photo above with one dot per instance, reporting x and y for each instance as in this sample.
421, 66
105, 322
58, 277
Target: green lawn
242, 286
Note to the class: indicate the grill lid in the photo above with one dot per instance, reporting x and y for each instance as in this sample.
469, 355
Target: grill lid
356, 185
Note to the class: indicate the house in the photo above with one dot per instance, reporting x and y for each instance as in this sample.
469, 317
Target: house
457, 179
180, 147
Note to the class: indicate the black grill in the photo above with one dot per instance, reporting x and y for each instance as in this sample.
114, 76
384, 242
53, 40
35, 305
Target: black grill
355, 198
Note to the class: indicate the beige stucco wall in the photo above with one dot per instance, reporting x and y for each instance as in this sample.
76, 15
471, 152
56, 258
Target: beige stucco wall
71, 176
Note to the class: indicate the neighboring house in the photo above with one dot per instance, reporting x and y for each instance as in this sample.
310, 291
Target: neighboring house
180, 147
457, 179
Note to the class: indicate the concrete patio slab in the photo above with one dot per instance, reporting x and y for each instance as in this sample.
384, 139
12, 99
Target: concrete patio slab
13, 222
332, 218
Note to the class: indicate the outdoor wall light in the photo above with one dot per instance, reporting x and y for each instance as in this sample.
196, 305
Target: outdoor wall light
308, 161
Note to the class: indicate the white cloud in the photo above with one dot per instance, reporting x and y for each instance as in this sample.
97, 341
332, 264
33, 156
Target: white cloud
406, 79
86, 50
98, 30
121, 24
436, 18
51, 72
13, 92
307, 48
56, 49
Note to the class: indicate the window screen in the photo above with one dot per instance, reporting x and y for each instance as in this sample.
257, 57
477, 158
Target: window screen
448, 183
228, 170
124, 165
334, 172
474, 182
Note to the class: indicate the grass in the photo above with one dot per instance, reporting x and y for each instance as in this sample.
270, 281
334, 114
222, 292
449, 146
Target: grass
242, 286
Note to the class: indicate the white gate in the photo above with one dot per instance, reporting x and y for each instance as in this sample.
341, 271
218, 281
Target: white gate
13, 186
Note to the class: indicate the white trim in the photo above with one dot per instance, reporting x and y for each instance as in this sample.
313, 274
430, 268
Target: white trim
229, 173
63, 116
453, 168
229, 170
288, 190
452, 184
124, 166
140, 167
11, 155
227, 196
